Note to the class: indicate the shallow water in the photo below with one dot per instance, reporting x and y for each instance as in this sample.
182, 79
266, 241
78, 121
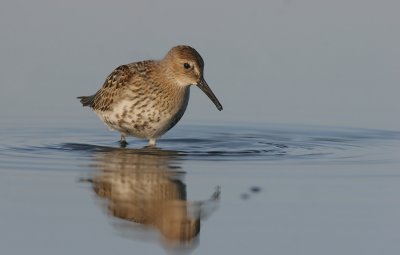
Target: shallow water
67, 187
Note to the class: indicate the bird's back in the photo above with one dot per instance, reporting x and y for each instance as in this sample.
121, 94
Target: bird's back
123, 78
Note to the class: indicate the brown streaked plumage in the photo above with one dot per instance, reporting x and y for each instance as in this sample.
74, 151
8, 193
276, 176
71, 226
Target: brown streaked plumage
145, 187
145, 99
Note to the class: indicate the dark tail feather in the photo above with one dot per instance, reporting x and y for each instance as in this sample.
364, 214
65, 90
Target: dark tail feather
87, 101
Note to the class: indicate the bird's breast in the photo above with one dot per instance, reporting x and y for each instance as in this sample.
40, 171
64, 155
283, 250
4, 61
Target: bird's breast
147, 116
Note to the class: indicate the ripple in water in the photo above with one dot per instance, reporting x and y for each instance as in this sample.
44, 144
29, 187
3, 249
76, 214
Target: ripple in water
43, 148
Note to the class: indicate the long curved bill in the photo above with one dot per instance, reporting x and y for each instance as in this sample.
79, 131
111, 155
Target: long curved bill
202, 84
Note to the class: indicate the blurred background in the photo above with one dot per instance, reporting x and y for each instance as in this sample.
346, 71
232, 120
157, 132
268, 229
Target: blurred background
313, 62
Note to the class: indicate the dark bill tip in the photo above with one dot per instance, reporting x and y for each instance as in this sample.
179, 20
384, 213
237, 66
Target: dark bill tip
202, 84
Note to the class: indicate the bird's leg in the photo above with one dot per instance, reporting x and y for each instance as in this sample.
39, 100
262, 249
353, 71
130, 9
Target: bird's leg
122, 141
152, 142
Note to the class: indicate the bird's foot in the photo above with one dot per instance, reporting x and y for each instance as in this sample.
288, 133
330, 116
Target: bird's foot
152, 142
123, 142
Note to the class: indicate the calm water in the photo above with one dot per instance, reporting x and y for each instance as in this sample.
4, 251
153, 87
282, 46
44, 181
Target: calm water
66, 187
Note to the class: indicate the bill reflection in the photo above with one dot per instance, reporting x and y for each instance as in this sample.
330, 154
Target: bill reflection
146, 187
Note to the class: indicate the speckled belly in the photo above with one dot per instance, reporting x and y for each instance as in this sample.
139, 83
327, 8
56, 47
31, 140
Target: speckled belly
146, 120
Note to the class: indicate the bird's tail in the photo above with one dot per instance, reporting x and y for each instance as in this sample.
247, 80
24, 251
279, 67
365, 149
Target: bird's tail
87, 100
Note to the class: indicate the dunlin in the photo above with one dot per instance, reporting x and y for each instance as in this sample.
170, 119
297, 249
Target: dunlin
146, 99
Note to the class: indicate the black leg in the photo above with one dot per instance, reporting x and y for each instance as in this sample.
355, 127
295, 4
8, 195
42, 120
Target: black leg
122, 141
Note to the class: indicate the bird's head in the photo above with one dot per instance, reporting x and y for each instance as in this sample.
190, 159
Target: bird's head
186, 67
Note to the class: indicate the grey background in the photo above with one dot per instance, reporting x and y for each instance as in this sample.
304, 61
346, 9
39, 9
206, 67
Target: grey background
280, 61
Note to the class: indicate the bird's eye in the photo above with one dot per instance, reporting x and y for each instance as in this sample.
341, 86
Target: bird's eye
186, 65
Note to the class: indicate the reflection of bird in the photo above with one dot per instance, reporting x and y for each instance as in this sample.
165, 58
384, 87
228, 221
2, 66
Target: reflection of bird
146, 189
147, 98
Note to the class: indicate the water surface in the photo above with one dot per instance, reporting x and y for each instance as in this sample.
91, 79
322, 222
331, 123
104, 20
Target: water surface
206, 189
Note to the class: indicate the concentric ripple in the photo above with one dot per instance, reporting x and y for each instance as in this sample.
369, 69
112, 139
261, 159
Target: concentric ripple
67, 148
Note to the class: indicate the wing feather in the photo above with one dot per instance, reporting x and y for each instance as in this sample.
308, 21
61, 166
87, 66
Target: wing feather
113, 87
